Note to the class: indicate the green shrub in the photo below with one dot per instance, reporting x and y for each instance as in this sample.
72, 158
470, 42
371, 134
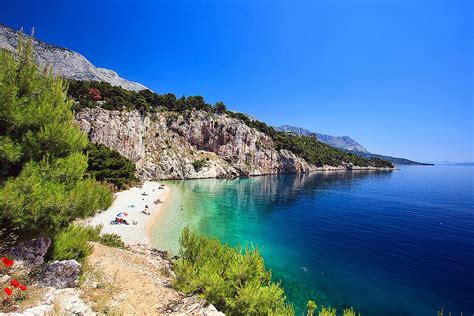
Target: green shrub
72, 242
235, 280
105, 164
200, 163
112, 240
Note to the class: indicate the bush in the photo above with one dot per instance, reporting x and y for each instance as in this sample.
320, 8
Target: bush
73, 242
112, 240
105, 164
235, 280
199, 163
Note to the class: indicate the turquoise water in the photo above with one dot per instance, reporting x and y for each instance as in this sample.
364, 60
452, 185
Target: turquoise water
388, 243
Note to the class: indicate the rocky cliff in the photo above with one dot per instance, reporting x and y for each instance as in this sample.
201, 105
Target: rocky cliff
193, 144
66, 62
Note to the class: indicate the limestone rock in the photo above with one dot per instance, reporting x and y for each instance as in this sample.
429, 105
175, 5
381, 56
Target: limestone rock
31, 252
168, 145
67, 63
61, 274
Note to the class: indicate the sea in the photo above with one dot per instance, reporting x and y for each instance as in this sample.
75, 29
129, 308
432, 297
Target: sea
386, 243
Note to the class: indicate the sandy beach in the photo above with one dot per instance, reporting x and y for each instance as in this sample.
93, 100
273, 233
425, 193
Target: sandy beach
133, 202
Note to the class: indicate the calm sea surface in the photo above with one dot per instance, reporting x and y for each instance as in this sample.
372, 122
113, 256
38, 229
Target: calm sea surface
387, 243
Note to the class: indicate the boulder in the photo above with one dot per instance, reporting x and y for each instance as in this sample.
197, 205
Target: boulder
31, 252
61, 274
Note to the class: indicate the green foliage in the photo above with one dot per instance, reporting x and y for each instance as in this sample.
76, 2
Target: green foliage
220, 107
42, 168
116, 98
234, 280
105, 164
311, 306
112, 240
200, 163
73, 242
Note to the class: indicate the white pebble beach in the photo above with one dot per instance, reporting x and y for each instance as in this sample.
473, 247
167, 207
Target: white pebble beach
133, 202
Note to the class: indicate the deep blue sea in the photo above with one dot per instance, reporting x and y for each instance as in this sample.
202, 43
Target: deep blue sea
386, 243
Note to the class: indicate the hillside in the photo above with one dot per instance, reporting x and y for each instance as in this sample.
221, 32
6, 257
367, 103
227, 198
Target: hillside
348, 144
341, 142
65, 62
179, 138
394, 160
170, 138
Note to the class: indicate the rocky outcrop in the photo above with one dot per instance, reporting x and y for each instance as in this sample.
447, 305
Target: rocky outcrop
195, 144
58, 302
31, 252
67, 63
61, 274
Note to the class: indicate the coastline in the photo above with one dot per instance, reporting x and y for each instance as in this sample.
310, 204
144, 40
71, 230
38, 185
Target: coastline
133, 201
160, 207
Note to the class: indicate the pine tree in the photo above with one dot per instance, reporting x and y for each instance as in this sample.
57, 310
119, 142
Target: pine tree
42, 168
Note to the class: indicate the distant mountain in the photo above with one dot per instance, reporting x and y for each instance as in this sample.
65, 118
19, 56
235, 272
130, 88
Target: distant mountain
450, 163
346, 143
67, 63
394, 160
341, 142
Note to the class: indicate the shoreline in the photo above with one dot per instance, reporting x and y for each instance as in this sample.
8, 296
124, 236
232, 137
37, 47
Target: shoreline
160, 207
133, 201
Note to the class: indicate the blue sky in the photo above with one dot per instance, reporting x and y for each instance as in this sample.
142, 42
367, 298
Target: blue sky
397, 76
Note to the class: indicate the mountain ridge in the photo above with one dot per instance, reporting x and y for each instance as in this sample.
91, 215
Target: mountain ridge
341, 142
348, 144
66, 62
180, 138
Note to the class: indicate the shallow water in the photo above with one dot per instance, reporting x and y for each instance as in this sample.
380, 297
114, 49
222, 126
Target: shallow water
387, 243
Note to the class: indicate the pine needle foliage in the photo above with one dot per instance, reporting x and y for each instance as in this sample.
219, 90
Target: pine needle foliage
73, 242
235, 280
42, 168
105, 164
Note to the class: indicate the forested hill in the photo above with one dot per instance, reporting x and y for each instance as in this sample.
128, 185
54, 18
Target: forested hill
348, 144
340, 142
219, 142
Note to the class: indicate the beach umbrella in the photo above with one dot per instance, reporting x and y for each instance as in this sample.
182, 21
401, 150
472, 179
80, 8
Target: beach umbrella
122, 214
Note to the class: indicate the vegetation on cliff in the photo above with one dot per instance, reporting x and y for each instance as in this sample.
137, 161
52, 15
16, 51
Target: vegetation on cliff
43, 171
92, 94
107, 165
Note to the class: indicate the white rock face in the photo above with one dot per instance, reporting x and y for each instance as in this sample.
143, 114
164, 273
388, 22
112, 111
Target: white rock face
66, 62
169, 145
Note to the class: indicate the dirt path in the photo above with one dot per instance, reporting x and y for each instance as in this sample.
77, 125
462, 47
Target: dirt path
135, 282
